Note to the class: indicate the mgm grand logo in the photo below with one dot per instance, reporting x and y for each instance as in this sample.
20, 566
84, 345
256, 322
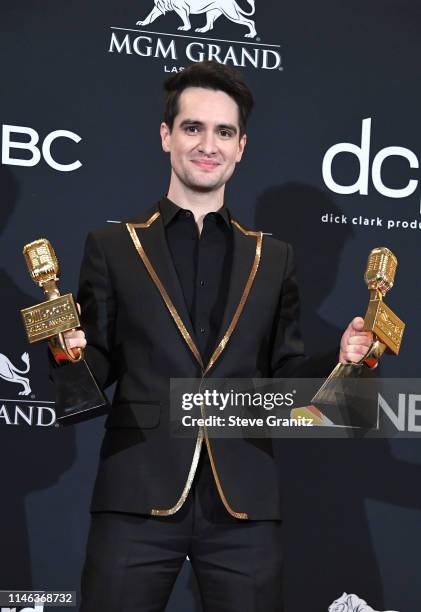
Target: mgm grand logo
23, 410
181, 47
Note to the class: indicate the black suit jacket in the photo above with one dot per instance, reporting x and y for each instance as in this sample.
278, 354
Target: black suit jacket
139, 334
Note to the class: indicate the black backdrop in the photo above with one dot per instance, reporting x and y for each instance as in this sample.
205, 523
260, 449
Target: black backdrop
353, 507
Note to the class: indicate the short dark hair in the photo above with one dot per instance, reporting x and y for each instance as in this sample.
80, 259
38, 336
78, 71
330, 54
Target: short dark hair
210, 75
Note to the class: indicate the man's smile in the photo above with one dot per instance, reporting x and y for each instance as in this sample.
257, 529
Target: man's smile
205, 164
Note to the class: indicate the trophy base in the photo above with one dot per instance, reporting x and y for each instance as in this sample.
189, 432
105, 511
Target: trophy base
348, 397
78, 397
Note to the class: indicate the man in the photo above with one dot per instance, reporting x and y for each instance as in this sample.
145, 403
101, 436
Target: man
185, 291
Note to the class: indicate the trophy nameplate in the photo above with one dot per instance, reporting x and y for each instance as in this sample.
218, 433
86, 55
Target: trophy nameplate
49, 318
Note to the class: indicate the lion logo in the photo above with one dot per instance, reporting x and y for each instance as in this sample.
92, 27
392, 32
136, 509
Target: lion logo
10, 373
212, 8
351, 603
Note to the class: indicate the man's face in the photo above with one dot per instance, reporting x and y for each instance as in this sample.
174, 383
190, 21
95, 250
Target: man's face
205, 141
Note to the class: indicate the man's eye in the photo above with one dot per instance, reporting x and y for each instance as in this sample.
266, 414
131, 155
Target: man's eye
225, 133
192, 129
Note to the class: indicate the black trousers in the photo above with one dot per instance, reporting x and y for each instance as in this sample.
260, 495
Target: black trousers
132, 560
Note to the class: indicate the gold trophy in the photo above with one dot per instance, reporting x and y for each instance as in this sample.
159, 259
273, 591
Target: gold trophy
78, 396
338, 391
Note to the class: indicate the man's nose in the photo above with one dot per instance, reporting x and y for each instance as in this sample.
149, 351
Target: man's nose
207, 143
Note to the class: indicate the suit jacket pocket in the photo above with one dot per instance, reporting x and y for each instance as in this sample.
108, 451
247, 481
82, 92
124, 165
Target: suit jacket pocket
134, 415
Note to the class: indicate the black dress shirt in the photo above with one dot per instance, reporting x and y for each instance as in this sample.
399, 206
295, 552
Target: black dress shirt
203, 265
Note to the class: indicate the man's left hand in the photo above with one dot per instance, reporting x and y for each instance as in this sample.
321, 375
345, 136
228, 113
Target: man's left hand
355, 342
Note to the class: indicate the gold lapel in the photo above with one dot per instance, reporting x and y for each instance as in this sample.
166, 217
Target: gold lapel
168, 302
239, 286
241, 249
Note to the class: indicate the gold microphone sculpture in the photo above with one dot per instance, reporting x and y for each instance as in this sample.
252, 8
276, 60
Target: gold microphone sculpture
78, 396
379, 319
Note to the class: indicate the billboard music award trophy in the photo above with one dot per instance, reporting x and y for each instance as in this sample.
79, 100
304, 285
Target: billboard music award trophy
341, 398
78, 396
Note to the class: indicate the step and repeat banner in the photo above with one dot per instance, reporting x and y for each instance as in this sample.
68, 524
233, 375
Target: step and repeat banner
332, 165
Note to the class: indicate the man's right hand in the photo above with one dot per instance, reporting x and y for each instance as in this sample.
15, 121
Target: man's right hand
75, 338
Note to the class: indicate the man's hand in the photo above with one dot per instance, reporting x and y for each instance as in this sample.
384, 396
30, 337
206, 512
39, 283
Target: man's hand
355, 342
75, 338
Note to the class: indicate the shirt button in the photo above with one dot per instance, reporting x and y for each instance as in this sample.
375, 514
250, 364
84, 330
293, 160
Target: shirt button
187, 213
202, 282
202, 330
